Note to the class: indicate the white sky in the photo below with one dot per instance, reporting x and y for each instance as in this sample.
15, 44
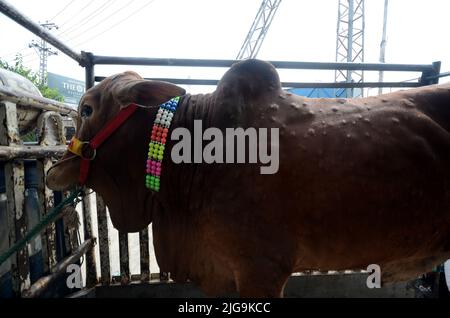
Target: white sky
215, 29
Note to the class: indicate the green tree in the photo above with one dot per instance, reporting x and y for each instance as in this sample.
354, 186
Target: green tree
18, 67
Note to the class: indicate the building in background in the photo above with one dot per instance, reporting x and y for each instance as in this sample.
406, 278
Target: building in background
70, 88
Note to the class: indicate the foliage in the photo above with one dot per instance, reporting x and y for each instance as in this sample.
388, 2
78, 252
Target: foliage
18, 67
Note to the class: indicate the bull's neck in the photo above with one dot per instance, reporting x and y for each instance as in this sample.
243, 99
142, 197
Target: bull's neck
179, 180
118, 173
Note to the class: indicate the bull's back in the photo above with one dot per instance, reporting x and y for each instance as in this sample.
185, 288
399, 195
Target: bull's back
357, 183
372, 182
433, 101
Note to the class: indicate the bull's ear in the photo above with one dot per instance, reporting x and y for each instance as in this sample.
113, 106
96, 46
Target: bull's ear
147, 93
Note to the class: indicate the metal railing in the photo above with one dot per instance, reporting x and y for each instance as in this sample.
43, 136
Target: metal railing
27, 199
430, 72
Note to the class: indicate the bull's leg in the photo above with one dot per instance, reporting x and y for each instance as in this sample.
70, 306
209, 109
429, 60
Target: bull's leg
259, 282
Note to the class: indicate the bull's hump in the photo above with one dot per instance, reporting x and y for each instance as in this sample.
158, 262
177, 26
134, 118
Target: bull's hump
250, 79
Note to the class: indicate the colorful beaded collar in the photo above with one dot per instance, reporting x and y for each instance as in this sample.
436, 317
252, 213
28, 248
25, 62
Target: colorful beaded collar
157, 143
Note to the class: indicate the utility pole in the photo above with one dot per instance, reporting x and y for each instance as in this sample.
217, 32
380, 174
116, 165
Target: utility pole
44, 52
350, 42
383, 45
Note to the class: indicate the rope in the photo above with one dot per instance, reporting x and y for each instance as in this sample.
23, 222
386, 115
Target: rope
43, 223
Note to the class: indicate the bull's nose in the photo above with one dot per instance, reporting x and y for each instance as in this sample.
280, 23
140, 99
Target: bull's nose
51, 179
55, 181
62, 175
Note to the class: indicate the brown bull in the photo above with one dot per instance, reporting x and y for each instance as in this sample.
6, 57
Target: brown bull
360, 181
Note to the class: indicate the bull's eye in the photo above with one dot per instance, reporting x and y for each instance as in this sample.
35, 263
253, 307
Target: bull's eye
86, 111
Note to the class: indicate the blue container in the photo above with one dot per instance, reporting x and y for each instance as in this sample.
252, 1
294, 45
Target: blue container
33, 212
322, 92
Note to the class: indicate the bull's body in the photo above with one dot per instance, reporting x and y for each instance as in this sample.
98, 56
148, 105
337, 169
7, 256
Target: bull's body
363, 181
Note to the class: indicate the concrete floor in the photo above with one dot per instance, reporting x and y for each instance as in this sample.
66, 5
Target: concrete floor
312, 286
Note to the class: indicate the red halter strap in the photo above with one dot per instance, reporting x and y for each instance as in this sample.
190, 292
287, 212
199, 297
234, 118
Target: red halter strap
76, 146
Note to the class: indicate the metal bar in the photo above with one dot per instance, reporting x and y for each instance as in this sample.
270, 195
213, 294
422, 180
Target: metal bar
145, 255
445, 74
189, 81
137, 278
134, 278
162, 277
436, 71
61, 251
116, 60
91, 269
8, 226
383, 44
89, 69
349, 79
432, 76
35, 28
156, 276
31, 152
15, 190
42, 166
50, 232
103, 240
43, 103
71, 225
43, 283
124, 259
350, 85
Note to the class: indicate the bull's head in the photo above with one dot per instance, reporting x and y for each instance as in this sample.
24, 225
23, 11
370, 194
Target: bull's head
118, 171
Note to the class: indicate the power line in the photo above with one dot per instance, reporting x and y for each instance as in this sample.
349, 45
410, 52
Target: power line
25, 57
116, 24
76, 14
30, 61
62, 10
15, 52
101, 21
93, 14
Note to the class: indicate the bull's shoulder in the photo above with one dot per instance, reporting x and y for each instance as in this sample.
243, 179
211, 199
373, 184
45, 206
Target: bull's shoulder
249, 79
244, 93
